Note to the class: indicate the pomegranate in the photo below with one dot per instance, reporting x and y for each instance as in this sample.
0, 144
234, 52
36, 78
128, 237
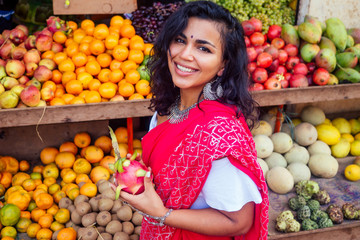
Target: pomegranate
272, 83
300, 68
257, 39
274, 32
298, 80
264, 60
260, 75
291, 49
321, 76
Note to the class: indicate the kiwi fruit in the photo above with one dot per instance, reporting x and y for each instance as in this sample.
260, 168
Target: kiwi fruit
103, 218
137, 230
89, 219
113, 227
109, 193
137, 218
105, 204
114, 217
75, 217
104, 186
81, 198
128, 227
65, 202
71, 208
124, 213
117, 205
121, 236
105, 236
94, 204
134, 237
90, 233
83, 208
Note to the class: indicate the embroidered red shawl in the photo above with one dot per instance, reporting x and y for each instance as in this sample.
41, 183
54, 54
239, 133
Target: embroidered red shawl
180, 156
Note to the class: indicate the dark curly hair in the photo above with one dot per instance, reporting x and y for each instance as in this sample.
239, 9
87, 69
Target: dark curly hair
235, 79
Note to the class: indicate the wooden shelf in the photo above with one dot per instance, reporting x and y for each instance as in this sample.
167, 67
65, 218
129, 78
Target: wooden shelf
139, 108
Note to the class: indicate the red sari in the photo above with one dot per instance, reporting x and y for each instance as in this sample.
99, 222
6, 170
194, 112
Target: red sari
180, 156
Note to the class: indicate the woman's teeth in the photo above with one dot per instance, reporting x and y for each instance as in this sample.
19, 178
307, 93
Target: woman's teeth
184, 69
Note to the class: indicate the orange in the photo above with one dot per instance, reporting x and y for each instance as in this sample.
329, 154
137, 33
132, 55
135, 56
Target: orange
82, 177
47, 154
73, 193
19, 178
59, 57
126, 89
20, 198
44, 234
104, 142
108, 90
65, 160
74, 87
121, 134
77, 100
57, 101
69, 41
143, 87
49, 84
68, 147
97, 46
128, 65
93, 97
86, 23
91, 58
72, 49
56, 76
82, 166
79, 35
8, 232
54, 188
124, 42
108, 162
12, 165
85, 48
46, 220
101, 31
127, 21
98, 173
114, 31
104, 59
79, 59
2, 190
120, 53
116, 76
93, 154
53, 209
136, 55
6, 179
93, 67
24, 165
111, 41
127, 30
82, 69
48, 54
66, 65
82, 139
89, 189
136, 96
67, 234
85, 79
48, 181
25, 214
116, 21
37, 213
67, 97
104, 75
42, 186
137, 43
69, 177
55, 226
132, 76
62, 215
148, 48
83, 94
33, 229
29, 185
59, 195
38, 168
94, 84
38, 191
68, 76
115, 64
59, 37
87, 39
23, 224
60, 90
72, 25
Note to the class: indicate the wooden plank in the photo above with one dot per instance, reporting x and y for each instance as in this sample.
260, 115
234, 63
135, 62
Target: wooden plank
94, 7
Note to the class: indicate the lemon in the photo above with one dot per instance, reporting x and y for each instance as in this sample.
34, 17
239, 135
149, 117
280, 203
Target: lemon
327, 121
341, 149
357, 136
348, 137
355, 126
355, 148
352, 172
296, 121
342, 124
328, 134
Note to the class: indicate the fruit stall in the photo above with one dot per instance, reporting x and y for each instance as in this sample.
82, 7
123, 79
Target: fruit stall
63, 84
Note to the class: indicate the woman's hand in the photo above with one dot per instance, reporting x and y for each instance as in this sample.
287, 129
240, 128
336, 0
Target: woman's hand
149, 201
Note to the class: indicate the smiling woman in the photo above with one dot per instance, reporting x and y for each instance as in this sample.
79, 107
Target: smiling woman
208, 183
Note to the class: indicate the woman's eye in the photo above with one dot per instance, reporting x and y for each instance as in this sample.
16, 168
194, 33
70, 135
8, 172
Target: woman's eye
179, 40
205, 49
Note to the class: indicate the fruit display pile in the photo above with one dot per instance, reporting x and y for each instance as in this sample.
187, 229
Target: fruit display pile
308, 146
67, 195
70, 63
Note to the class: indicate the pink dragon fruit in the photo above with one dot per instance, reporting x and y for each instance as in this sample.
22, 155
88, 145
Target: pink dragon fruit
55, 24
128, 172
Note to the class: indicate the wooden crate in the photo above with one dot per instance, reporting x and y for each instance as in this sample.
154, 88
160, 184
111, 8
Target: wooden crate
82, 7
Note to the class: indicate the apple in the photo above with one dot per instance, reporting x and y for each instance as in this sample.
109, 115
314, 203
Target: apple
18, 53
21, 105
34, 82
6, 33
30, 96
8, 99
9, 82
5, 50
57, 47
2, 89
43, 42
2, 40
18, 89
46, 32
298, 80
272, 83
17, 36
2, 62
42, 74
30, 68
47, 62
30, 42
15, 68
32, 55
23, 28
47, 94
2, 72
23, 79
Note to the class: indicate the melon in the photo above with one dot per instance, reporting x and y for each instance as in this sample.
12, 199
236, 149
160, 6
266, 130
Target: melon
282, 142
263, 127
323, 165
300, 171
280, 180
263, 165
287, 128
263, 145
305, 134
319, 147
297, 154
313, 115
275, 159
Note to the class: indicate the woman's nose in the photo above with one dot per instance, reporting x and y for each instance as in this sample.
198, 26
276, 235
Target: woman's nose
187, 53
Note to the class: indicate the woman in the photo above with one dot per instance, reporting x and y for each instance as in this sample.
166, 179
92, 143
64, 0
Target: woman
208, 184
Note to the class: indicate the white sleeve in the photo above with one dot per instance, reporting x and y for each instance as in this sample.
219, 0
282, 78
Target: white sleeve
153, 121
227, 188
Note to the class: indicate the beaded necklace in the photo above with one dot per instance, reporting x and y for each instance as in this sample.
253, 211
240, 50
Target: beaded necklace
176, 115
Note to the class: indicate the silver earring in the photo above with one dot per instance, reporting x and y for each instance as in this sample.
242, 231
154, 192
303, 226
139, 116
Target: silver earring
209, 94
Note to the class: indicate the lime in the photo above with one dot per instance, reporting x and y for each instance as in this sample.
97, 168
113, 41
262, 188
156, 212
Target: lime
9, 214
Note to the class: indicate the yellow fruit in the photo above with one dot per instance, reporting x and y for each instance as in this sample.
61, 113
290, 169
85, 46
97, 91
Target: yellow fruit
355, 126
352, 172
341, 149
296, 121
348, 137
357, 136
355, 148
51, 170
70, 176
342, 125
327, 121
328, 134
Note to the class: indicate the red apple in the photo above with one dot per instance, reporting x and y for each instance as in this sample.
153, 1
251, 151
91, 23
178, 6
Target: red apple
6, 33
259, 75
47, 94
30, 42
42, 74
5, 50
300, 68
43, 42
18, 53
321, 76
57, 47
30, 96
272, 83
23, 28
256, 87
17, 36
33, 55
35, 83
23, 79
46, 32
298, 80
264, 60
2, 40
30, 68
9, 82
47, 62
2, 62
15, 68
274, 32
